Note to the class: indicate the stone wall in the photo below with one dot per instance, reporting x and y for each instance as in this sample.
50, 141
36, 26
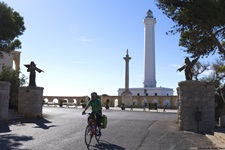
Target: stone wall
139, 100
76, 99
4, 100
30, 101
193, 95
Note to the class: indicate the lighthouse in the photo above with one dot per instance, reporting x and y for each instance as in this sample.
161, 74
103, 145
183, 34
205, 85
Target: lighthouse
149, 88
149, 50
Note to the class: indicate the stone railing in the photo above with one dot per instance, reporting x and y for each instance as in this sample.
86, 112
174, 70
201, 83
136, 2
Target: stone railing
78, 100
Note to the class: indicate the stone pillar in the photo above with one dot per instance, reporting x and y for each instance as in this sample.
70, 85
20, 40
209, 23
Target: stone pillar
4, 100
30, 101
193, 95
127, 98
127, 95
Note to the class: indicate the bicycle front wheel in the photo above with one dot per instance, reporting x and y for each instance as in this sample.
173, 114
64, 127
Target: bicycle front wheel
88, 135
97, 137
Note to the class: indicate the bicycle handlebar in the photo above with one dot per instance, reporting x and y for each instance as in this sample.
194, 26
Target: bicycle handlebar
89, 113
86, 113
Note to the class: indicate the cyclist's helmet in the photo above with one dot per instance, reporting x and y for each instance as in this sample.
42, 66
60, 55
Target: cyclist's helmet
94, 94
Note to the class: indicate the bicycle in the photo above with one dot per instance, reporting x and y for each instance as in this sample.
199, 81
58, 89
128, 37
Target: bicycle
91, 129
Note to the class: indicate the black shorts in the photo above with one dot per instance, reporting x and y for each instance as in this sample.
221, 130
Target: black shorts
98, 118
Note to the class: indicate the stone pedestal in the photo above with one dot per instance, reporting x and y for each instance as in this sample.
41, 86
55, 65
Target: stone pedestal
30, 101
4, 100
196, 107
127, 98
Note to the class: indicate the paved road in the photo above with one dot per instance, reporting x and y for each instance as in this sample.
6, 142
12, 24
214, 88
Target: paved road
63, 129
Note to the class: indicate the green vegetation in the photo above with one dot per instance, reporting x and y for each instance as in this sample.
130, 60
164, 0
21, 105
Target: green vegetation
200, 22
11, 26
9, 75
202, 33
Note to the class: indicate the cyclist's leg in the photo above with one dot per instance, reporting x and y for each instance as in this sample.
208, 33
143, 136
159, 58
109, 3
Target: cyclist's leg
91, 116
99, 119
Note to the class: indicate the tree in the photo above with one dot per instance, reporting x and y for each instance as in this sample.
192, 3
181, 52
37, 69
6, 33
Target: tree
11, 27
217, 74
217, 77
199, 68
201, 24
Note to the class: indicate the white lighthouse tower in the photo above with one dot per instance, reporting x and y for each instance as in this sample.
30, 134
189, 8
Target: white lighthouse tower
149, 88
149, 50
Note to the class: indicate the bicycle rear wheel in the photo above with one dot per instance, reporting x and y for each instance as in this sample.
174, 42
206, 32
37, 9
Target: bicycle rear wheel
88, 135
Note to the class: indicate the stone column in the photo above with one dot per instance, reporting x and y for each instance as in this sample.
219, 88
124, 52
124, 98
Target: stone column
193, 96
30, 101
126, 95
4, 100
127, 98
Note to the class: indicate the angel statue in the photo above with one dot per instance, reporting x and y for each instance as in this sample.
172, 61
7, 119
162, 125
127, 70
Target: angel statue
188, 67
32, 68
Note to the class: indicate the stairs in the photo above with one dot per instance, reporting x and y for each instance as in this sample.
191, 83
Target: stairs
218, 138
13, 114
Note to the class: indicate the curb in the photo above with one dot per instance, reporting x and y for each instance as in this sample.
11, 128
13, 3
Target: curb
217, 139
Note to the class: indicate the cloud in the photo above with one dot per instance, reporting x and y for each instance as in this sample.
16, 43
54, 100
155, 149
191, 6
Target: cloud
176, 66
180, 73
207, 72
85, 39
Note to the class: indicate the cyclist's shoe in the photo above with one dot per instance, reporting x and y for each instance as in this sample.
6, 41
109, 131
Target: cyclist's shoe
99, 133
83, 113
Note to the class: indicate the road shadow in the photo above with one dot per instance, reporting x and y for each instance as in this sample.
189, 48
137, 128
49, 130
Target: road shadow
40, 123
4, 128
219, 129
12, 141
104, 145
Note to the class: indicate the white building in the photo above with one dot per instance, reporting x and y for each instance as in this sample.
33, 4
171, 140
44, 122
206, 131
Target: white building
157, 91
149, 88
11, 59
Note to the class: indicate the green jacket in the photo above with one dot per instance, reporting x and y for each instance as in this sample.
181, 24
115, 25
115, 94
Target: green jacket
95, 105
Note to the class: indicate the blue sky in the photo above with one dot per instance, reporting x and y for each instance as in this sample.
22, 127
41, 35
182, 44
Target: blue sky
80, 45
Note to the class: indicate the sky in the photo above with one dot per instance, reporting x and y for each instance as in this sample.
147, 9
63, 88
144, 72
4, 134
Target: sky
80, 45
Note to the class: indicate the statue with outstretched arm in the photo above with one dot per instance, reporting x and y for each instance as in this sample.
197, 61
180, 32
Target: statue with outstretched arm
32, 69
188, 65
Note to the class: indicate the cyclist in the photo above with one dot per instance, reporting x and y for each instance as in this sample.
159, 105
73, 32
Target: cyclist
96, 106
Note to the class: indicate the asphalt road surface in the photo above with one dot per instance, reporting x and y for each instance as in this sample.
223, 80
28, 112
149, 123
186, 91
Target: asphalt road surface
63, 129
